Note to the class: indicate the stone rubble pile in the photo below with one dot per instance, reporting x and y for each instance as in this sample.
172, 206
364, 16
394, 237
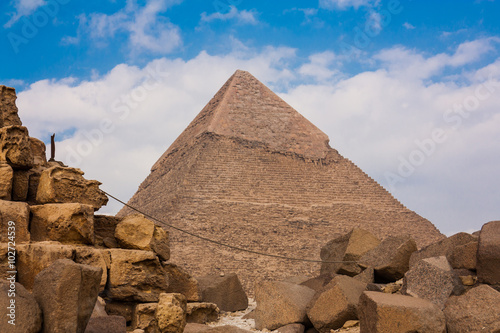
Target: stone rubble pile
389, 286
66, 269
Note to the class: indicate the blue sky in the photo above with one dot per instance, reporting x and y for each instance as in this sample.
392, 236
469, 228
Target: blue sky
408, 90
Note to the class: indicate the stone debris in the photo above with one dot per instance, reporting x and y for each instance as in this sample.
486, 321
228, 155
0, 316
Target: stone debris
202, 313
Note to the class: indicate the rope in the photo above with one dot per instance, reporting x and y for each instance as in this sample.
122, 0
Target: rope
220, 243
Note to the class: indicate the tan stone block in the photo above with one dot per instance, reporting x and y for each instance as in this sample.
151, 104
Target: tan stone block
6, 179
180, 281
17, 212
38, 150
71, 223
144, 317
171, 313
15, 147
94, 257
8, 108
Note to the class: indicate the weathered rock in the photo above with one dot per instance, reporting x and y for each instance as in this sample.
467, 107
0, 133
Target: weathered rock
15, 147
66, 292
123, 309
104, 230
99, 308
292, 328
464, 256
444, 247
8, 109
390, 259
135, 276
71, 223
35, 257
139, 233
67, 185
171, 313
181, 282
20, 185
280, 304
225, 291
317, 283
488, 253
14, 221
38, 150
432, 279
202, 313
475, 311
366, 276
94, 257
144, 317
349, 247
336, 304
6, 180
22, 316
110, 324
392, 313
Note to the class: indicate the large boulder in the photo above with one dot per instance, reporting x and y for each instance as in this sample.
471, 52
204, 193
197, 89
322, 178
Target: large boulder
144, 317
94, 257
104, 230
488, 254
109, 324
8, 108
432, 279
475, 311
171, 313
281, 303
390, 259
349, 247
33, 258
67, 292
70, 223
180, 281
67, 185
19, 311
6, 181
15, 147
14, 222
392, 313
444, 247
135, 275
464, 256
336, 304
139, 233
225, 291
38, 150
202, 313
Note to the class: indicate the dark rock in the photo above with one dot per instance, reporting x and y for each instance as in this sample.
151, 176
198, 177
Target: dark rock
225, 291
109, 324
25, 313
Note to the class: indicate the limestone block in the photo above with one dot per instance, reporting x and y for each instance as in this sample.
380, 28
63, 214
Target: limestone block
104, 230
67, 185
475, 311
20, 185
8, 108
71, 223
123, 309
115, 324
38, 150
488, 253
33, 258
432, 279
96, 258
34, 180
144, 317
225, 291
17, 212
292, 328
349, 247
6, 180
135, 275
171, 313
15, 147
66, 293
137, 232
202, 313
181, 282
280, 304
27, 314
464, 256
444, 247
336, 304
392, 313
390, 259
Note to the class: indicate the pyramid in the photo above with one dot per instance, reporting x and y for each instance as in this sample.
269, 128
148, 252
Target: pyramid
252, 172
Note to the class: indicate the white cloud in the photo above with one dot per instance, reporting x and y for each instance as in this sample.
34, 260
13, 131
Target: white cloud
345, 4
240, 16
24, 8
373, 118
148, 30
408, 26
